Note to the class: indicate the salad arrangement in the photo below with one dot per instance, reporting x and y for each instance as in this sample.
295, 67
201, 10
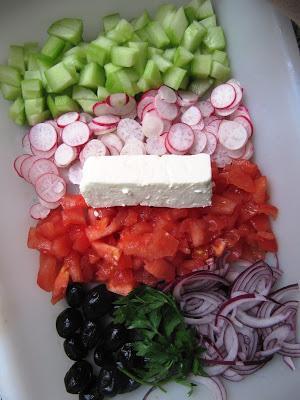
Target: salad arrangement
182, 294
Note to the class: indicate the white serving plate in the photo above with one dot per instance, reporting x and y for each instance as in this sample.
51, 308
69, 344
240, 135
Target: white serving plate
265, 59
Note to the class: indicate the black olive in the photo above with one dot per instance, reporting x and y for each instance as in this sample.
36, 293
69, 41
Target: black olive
91, 393
79, 377
97, 302
115, 336
127, 358
74, 348
91, 333
75, 294
128, 384
110, 381
102, 358
68, 322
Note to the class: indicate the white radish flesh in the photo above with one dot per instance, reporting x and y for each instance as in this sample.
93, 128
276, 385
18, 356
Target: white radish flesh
221, 156
192, 116
128, 128
76, 134
206, 108
199, 143
232, 135
167, 94
102, 108
249, 151
43, 136
51, 206
44, 154
152, 125
223, 96
26, 165
94, 148
50, 187
41, 167
26, 144
165, 110
156, 146
181, 137
38, 211
64, 155
186, 99
67, 118
133, 147
106, 120
75, 173
142, 104
211, 144
18, 162
112, 140
246, 123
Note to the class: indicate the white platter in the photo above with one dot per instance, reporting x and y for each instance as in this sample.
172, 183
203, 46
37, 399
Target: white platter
265, 59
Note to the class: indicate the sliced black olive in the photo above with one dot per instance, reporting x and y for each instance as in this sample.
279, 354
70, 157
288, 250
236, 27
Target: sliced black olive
115, 336
91, 393
91, 333
97, 302
128, 384
75, 294
79, 377
103, 358
110, 381
127, 358
74, 348
68, 322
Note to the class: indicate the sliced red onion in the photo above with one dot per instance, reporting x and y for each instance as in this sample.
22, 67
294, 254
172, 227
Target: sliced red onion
281, 293
254, 322
214, 384
289, 362
232, 375
276, 337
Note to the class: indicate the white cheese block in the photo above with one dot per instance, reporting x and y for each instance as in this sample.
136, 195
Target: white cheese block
167, 181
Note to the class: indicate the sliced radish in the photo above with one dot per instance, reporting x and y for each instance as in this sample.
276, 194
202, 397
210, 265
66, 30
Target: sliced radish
122, 109
26, 165
238, 92
246, 123
18, 162
67, 118
51, 206
156, 146
249, 151
113, 151
106, 120
101, 130
166, 110
142, 104
225, 112
64, 155
41, 167
94, 148
26, 144
44, 154
235, 81
192, 116
75, 173
209, 120
214, 126
86, 117
167, 125
128, 128
206, 108
43, 136
150, 107
232, 135
132, 114
223, 96
221, 156
112, 140
76, 134
133, 147
171, 149
50, 187
149, 93
118, 100
199, 127
102, 108
152, 124
181, 137
38, 211
186, 99
167, 94
211, 144
199, 143
237, 154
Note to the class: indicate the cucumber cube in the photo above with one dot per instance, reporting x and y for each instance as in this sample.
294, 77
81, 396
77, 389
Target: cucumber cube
200, 86
205, 10
82, 93
32, 88
34, 106
52, 107
220, 56
92, 76
96, 54
169, 54
102, 93
177, 27
132, 75
32, 75
34, 119
152, 74
141, 22
201, 66
162, 63
210, 21
74, 61
68, 29
65, 104
87, 105
124, 56
32, 64
153, 51
10, 92
215, 39
16, 58
182, 57
143, 34
60, 77
193, 36
220, 71
122, 32
156, 35
163, 11
143, 85
10, 76
53, 47
142, 48
174, 77
185, 83
17, 111
110, 21
30, 48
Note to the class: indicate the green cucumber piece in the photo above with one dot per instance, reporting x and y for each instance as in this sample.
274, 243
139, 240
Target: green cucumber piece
10, 76
174, 77
143, 85
143, 34
152, 74
205, 10
52, 107
87, 105
43, 64
201, 66
92, 76
16, 58
17, 111
209, 22
191, 10
32, 75
32, 88
120, 82
156, 35
10, 92
110, 21
32, 64
142, 48
168, 19
74, 61
141, 22
124, 56
34, 106
177, 27
193, 36
132, 74
169, 54
215, 39
162, 63
201, 86
185, 82
153, 50
65, 104
182, 57
163, 11
30, 48
53, 47
60, 77
99, 50
220, 56
82, 93
102, 93
68, 29
79, 50
122, 33
220, 71
34, 119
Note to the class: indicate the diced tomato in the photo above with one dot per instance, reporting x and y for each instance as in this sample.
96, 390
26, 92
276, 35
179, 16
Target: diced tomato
231, 238
178, 213
142, 276
122, 282
267, 241
197, 230
161, 269
242, 180
52, 229
97, 230
93, 256
261, 222
162, 244
88, 270
61, 246
222, 205
193, 265
125, 262
141, 227
73, 201
104, 271
246, 166
109, 253
72, 261
37, 241
48, 272
260, 193
268, 209
131, 218
73, 216
60, 285
81, 243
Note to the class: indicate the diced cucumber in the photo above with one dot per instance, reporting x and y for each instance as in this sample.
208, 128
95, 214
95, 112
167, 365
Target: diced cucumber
32, 75
177, 27
122, 83
10, 92
174, 77
32, 64
162, 63
215, 39
132, 75
205, 10
44, 63
156, 35
209, 21
79, 50
32, 88
92, 76
17, 111
182, 57
124, 56
60, 77
168, 19
142, 48
220, 56
152, 74
122, 32
10, 76
86, 105
53, 47
201, 66
110, 21
220, 71
153, 51
16, 58
193, 36
201, 86
163, 11
34, 106
65, 104
34, 119
102, 93
136, 38
191, 10
52, 107
96, 54
141, 22
169, 54
185, 82
82, 93
143, 85
74, 61
143, 34
68, 29
30, 48
67, 47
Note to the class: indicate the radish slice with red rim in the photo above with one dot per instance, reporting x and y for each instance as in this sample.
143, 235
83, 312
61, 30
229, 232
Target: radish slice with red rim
152, 124
51, 206
75, 173
43, 136
246, 123
26, 165
102, 108
167, 94
225, 112
237, 154
186, 99
123, 109
192, 116
112, 140
117, 100
249, 151
206, 108
41, 167
67, 118
94, 148
166, 110
64, 155
85, 117
149, 93
232, 135
156, 146
142, 104
18, 162
113, 151
50, 187
76, 134
170, 149
26, 144
98, 130
38, 211
106, 120
223, 96
44, 154
133, 147
150, 107
199, 143
211, 143
181, 137
238, 92
128, 128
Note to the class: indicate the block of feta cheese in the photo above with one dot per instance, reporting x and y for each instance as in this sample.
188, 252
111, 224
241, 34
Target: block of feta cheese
167, 181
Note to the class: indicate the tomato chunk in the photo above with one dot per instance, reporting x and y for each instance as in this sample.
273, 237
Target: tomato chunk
48, 272
60, 285
73, 216
73, 201
161, 269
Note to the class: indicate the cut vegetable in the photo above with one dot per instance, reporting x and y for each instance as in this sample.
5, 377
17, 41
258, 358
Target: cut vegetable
40, 167
68, 29
53, 47
64, 155
50, 187
38, 211
232, 135
76, 134
92, 76
181, 137
174, 77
